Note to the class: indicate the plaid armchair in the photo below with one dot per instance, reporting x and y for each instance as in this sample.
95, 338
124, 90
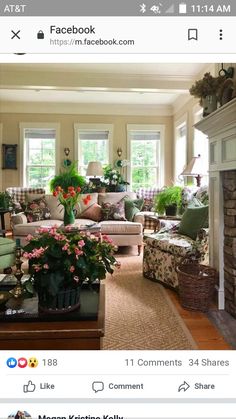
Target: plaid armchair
18, 195
148, 194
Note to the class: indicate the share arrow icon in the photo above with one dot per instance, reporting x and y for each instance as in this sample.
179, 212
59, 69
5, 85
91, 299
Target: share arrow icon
185, 386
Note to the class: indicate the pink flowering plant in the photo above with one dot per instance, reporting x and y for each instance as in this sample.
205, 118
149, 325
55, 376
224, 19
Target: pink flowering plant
64, 259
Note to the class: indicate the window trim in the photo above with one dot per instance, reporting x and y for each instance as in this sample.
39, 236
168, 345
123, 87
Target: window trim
32, 125
183, 120
92, 127
147, 127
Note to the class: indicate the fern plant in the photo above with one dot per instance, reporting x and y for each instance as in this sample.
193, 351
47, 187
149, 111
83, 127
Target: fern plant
67, 177
168, 197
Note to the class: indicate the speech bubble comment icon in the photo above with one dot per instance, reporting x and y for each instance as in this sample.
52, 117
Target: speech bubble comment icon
98, 386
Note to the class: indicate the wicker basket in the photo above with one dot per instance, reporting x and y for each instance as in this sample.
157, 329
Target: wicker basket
196, 286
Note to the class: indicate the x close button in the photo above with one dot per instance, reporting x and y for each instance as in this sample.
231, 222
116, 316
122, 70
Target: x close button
15, 34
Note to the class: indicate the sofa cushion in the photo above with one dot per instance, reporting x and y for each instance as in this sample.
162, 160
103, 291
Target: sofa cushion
132, 207
84, 204
114, 197
56, 209
37, 210
192, 221
94, 212
171, 242
7, 246
120, 227
30, 228
113, 211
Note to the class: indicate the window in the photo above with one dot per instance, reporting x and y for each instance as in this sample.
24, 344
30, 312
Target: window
145, 157
180, 151
92, 143
200, 146
39, 156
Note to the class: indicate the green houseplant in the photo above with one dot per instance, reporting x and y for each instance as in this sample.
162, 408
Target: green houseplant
5, 200
67, 187
61, 260
168, 201
114, 179
207, 89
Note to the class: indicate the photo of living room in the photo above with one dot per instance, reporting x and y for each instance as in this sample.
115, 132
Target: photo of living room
118, 206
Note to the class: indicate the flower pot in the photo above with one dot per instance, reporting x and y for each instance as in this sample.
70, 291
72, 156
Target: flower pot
119, 188
69, 217
171, 210
65, 301
209, 104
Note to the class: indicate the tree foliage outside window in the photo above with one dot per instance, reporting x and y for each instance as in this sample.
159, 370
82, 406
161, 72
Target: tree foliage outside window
40, 157
145, 159
93, 146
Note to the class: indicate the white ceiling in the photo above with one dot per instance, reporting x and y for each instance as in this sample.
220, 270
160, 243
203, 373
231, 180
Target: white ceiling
94, 97
105, 84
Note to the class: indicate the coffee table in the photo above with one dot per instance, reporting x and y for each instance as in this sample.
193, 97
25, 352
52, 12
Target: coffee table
55, 335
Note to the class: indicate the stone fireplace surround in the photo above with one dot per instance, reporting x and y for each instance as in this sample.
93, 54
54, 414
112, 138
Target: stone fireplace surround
220, 127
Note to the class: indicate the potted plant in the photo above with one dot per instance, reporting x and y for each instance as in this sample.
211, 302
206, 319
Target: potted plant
61, 260
114, 179
5, 201
207, 89
67, 187
168, 201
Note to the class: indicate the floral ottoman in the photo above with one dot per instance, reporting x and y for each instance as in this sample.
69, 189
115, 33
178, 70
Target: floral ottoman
165, 250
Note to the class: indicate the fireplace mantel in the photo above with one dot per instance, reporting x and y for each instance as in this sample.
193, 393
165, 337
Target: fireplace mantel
220, 127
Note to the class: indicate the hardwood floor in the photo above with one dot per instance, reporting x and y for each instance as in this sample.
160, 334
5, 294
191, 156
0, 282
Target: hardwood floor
203, 331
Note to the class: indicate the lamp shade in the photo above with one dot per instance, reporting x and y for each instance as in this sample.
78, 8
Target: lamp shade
94, 169
194, 168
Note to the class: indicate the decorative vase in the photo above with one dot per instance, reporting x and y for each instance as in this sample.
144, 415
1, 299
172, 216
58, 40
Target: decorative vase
209, 104
69, 217
120, 188
171, 210
64, 302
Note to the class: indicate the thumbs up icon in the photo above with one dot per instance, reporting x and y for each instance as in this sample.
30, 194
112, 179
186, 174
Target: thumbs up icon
29, 388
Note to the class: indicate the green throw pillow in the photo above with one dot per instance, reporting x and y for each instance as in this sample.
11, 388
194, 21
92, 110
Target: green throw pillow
132, 206
196, 203
192, 221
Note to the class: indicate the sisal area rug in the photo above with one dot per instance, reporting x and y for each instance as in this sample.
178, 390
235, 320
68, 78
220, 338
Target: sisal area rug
139, 312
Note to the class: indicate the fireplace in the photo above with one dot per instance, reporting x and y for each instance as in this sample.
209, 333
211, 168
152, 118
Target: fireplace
220, 127
229, 205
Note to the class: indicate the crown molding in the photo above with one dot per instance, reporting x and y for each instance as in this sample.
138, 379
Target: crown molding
86, 109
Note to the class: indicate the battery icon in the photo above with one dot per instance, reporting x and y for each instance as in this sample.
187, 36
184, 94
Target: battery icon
182, 8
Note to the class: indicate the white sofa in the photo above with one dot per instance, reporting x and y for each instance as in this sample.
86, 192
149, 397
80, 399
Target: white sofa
123, 233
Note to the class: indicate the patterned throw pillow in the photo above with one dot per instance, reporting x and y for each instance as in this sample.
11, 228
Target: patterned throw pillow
111, 211
148, 204
94, 212
37, 210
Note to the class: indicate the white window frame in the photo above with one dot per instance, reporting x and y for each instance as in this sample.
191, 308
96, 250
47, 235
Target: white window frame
161, 160
198, 111
178, 124
32, 125
92, 127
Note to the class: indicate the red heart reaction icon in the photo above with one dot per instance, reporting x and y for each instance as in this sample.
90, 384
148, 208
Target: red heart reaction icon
22, 362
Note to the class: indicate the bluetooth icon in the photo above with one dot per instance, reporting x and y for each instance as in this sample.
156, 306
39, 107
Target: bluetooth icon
142, 8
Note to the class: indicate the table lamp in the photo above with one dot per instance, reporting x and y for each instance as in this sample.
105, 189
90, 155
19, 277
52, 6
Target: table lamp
95, 171
194, 168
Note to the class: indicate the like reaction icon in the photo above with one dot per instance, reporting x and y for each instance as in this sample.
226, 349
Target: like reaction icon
11, 362
22, 362
29, 388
